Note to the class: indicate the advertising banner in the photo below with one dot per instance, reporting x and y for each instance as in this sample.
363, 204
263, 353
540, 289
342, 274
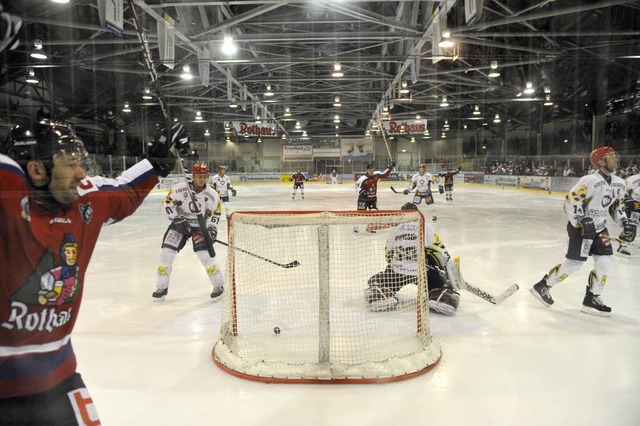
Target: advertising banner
251, 128
297, 152
405, 127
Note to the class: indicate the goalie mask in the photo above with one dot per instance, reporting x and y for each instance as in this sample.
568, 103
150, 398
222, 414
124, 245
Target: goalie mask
409, 206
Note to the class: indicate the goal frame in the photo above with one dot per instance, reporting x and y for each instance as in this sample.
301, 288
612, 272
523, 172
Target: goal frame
427, 359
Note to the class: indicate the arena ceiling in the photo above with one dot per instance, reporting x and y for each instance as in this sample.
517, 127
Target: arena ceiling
583, 55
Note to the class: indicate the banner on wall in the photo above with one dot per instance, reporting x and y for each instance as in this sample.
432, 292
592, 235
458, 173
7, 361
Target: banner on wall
111, 15
252, 128
405, 127
356, 149
297, 152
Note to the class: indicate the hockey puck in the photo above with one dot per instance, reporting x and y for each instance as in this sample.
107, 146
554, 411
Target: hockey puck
276, 330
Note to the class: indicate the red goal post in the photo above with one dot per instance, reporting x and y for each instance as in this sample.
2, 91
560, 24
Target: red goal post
310, 323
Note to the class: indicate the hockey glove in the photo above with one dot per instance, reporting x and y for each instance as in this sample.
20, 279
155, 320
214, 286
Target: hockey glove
629, 231
213, 233
588, 228
233, 192
391, 165
441, 189
162, 160
630, 205
405, 192
181, 225
362, 193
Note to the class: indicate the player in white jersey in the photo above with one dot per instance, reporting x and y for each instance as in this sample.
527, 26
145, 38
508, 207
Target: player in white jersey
421, 182
631, 206
402, 270
590, 201
222, 184
179, 208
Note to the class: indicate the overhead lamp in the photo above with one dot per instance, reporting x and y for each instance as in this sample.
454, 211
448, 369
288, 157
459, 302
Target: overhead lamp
147, 94
126, 107
31, 77
60, 1
443, 136
228, 47
418, 117
336, 102
337, 70
444, 102
232, 103
268, 92
546, 88
497, 118
337, 135
38, 52
404, 88
284, 137
206, 132
186, 73
298, 126
304, 133
228, 140
198, 116
287, 112
413, 139
259, 140
446, 40
529, 89
336, 118
547, 101
494, 70
476, 110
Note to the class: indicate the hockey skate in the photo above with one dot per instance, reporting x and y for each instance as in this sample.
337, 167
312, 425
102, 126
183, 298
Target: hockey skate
541, 292
160, 295
593, 305
217, 293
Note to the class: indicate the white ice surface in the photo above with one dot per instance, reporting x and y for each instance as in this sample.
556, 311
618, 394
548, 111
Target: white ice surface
518, 363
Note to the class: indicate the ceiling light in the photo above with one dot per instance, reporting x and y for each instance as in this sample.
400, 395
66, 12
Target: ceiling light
60, 1
446, 40
206, 132
228, 47
259, 140
298, 126
444, 102
418, 117
494, 70
186, 73
147, 94
336, 102
232, 103
443, 136
268, 92
287, 112
529, 90
547, 100
497, 118
413, 139
38, 52
126, 107
404, 88
337, 70
476, 110
198, 116
336, 118
31, 77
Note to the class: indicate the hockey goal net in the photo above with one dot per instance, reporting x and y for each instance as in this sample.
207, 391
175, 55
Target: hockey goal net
296, 307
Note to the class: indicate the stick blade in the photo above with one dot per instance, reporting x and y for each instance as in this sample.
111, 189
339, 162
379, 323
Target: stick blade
293, 264
506, 294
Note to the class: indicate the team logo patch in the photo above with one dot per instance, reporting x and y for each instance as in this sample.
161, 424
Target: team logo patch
86, 211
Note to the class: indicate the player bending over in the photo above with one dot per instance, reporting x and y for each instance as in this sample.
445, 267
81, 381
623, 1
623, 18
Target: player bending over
179, 209
421, 182
298, 182
590, 201
222, 184
402, 270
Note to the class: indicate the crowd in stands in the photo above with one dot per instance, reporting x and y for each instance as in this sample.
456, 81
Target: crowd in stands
524, 168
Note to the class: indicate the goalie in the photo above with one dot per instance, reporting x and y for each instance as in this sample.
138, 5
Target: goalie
401, 270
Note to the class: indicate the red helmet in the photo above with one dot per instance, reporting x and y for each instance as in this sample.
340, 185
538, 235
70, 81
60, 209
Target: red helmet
599, 153
200, 169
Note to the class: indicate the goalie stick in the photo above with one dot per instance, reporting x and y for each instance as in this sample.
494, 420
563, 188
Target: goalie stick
165, 112
456, 277
282, 265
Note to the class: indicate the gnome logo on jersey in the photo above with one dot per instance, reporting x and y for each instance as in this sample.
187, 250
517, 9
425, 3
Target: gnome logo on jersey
606, 201
50, 285
86, 211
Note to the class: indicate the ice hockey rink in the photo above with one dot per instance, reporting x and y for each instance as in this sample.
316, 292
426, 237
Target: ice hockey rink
517, 363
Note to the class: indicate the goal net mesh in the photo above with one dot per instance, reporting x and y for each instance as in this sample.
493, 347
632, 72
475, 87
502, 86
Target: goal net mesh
296, 300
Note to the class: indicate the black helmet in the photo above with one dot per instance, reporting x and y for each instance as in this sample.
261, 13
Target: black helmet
409, 206
370, 166
41, 142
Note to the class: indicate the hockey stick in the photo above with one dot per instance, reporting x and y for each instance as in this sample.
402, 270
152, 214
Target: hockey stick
456, 276
282, 265
148, 60
621, 241
397, 192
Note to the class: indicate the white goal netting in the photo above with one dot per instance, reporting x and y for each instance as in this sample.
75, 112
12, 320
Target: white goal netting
296, 300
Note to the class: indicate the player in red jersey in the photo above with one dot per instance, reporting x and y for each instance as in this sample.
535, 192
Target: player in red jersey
448, 182
298, 182
51, 214
367, 189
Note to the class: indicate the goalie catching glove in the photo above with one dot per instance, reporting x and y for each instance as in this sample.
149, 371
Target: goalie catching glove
629, 230
588, 228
